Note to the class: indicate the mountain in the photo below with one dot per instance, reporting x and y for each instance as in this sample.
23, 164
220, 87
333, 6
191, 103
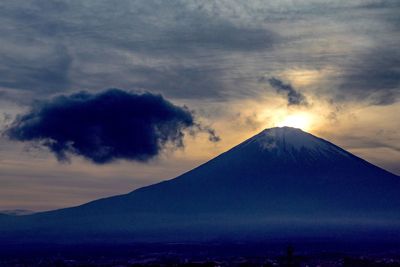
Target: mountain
281, 183
16, 212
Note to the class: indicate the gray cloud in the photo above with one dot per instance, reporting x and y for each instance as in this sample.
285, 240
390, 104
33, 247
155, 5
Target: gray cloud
196, 49
373, 76
224, 36
368, 142
381, 4
47, 71
180, 82
43, 39
294, 97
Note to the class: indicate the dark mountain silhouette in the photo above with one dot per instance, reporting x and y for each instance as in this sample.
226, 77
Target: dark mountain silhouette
281, 183
16, 212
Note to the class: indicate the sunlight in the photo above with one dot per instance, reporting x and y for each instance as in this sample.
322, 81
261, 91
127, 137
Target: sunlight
301, 121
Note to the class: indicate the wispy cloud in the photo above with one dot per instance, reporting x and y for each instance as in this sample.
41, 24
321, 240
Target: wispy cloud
293, 96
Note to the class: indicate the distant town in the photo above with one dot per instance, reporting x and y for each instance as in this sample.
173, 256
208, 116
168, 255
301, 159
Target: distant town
178, 255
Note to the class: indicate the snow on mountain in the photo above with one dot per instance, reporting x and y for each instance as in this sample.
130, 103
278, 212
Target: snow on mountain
286, 140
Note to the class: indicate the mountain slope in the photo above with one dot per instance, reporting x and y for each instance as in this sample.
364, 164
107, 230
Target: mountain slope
274, 184
16, 212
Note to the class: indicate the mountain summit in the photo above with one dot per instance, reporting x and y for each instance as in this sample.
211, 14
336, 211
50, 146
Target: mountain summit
287, 139
282, 182
286, 144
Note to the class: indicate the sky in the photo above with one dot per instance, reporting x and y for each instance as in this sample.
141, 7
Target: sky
168, 85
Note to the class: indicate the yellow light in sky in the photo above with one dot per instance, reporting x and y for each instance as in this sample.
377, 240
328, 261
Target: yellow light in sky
301, 121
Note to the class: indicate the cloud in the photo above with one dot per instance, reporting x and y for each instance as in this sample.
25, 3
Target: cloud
106, 126
42, 68
223, 35
293, 97
212, 136
57, 46
179, 82
373, 76
197, 49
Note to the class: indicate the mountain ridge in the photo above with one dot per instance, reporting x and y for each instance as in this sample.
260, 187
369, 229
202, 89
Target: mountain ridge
280, 180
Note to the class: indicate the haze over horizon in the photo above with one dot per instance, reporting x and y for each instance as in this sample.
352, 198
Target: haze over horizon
225, 70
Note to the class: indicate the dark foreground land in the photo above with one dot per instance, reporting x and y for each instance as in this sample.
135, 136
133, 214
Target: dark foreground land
213, 254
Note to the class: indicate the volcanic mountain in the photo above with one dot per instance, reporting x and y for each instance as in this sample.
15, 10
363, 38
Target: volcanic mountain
283, 182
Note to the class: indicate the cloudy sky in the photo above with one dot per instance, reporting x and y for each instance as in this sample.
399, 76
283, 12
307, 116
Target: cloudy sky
221, 71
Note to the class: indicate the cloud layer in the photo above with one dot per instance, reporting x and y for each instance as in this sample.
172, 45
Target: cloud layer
202, 49
106, 126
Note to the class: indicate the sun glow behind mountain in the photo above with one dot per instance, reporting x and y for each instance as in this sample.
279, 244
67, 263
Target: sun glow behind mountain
299, 120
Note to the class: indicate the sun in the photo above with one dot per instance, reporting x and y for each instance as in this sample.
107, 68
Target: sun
301, 121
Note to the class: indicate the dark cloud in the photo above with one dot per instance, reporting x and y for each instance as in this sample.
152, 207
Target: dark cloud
212, 136
107, 126
294, 97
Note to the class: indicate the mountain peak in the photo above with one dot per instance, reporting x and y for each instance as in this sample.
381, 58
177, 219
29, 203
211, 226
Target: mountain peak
279, 132
282, 128
284, 140
286, 135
